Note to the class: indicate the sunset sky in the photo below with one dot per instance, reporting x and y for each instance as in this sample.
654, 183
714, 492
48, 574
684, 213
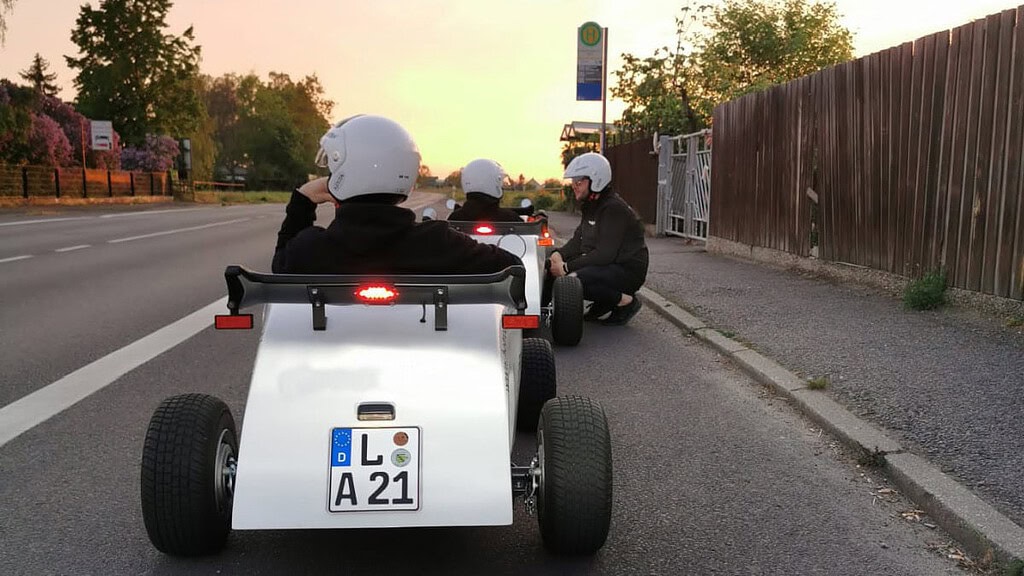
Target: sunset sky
468, 79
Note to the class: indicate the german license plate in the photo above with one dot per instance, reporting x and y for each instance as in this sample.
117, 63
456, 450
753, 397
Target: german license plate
374, 469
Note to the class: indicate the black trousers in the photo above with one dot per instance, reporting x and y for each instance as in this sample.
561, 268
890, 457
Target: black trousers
604, 285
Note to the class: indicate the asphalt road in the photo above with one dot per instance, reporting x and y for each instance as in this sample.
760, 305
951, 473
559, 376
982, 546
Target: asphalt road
712, 474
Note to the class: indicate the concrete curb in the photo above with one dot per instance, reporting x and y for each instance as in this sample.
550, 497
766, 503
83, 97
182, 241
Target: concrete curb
985, 532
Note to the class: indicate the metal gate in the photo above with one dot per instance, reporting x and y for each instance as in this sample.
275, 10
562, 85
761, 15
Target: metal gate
684, 185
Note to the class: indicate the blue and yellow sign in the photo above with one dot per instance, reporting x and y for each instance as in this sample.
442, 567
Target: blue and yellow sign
589, 61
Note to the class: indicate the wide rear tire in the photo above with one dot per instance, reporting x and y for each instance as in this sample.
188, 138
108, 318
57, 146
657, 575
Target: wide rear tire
574, 498
537, 381
188, 462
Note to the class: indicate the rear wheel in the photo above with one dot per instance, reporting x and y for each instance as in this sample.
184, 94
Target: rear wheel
574, 495
188, 474
537, 381
567, 311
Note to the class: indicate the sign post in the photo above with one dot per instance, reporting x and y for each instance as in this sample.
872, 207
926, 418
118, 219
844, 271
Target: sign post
102, 135
591, 67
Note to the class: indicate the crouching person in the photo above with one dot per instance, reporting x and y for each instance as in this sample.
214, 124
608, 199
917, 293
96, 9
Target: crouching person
607, 251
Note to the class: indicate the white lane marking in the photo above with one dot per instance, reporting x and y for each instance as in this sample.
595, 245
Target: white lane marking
148, 212
47, 221
26, 257
166, 232
73, 248
30, 411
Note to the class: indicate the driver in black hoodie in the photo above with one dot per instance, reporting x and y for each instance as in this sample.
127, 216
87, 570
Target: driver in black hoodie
482, 181
373, 164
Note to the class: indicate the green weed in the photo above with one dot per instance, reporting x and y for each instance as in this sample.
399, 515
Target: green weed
927, 292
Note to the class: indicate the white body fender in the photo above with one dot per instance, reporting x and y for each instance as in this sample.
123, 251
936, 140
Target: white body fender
533, 257
459, 387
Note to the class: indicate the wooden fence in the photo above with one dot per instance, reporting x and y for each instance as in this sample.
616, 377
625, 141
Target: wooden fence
635, 176
32, 181
908, 160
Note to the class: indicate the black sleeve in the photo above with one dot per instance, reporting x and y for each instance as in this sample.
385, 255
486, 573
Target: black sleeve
476, 258
611, 225
571, 249
299, 215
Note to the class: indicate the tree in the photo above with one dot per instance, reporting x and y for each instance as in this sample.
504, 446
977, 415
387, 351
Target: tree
454, 179
753, 44
132, 73
739, 46
552, 183
5, 6
36, 76
659, 90
581, 145
156, 155
268, 130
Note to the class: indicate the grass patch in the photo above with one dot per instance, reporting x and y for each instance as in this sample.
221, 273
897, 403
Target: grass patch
727, 333
1015, 322
872, 459
553, 200
1015, 568
819, 383
242, 197
927, 292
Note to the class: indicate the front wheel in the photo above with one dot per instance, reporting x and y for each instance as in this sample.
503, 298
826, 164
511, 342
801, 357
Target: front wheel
188, 475
574, 495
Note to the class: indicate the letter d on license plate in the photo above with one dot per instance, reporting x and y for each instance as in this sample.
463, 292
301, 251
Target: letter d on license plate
374, 469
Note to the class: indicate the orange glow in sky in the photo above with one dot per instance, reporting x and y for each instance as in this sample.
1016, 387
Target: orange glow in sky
468, 79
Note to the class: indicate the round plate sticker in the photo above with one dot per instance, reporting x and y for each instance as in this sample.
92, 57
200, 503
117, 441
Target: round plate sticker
401, 438
400, 457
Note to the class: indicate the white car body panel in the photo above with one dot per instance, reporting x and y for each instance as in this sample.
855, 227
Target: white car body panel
459, 387
533, 257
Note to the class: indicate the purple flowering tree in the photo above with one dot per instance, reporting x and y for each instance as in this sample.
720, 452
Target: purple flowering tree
157, 154
47, 144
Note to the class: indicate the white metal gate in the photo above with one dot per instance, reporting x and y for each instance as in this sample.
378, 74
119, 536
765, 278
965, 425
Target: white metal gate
684, 185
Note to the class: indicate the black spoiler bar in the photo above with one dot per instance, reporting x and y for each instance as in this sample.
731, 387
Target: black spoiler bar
532, 228
247, 288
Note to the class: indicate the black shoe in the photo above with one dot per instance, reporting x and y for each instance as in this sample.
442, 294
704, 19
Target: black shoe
623, 314
596, 311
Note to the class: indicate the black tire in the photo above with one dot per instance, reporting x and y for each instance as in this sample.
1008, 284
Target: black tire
574, 499
186, 497
537, 381
567, 315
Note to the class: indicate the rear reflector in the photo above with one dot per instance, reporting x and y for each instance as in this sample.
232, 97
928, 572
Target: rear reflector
377, 295
520, 322
545, 242
484, 230
233, 321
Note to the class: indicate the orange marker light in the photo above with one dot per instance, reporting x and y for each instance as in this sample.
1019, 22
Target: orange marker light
520, 322
232, 321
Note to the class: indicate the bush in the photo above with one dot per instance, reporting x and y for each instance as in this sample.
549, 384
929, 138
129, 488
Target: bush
927, 292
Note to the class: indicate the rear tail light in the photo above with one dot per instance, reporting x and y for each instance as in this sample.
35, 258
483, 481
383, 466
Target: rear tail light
520, 322
377, 295
545, 237
232, 321
484, 230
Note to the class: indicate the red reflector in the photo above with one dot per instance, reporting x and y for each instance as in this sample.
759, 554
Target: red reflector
484, 230
519, 322
232, 321
545, 242
377, 295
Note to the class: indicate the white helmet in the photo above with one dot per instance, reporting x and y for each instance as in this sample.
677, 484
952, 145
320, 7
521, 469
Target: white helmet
593, 166
484, 176
368, 155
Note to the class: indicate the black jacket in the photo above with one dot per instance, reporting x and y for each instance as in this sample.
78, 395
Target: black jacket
485, 209
378, 239
609, 233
